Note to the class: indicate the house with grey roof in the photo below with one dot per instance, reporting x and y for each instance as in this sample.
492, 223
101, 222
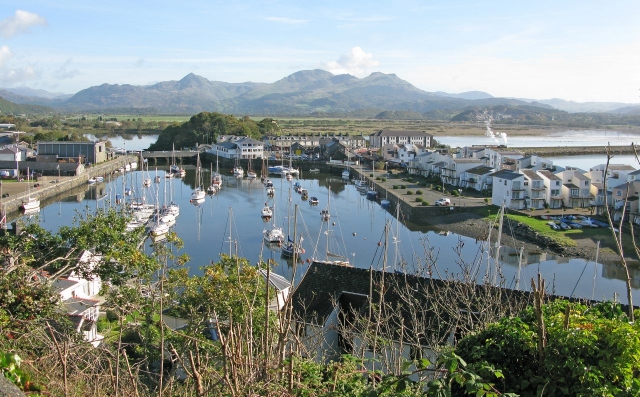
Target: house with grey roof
451, 171
387, 136
576, 188
509, 189
615, 173
535, 194
534, 162
386, 318
477, 178
553, 188
625, 201
233, 147
78, 295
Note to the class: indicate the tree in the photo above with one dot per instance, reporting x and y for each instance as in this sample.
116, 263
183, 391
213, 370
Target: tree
589, 351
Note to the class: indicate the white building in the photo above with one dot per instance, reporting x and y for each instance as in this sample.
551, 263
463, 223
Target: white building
501, 158
553, 188
477, 178
451, 171
534, 162
238, 148
535, 193
576, 188
13, 153
508, 188
616, 173
78, 294
383, 137
401, 153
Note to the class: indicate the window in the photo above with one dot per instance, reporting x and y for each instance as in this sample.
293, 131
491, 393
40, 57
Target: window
586, 183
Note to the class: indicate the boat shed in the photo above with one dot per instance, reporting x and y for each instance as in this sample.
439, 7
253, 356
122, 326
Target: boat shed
8, 168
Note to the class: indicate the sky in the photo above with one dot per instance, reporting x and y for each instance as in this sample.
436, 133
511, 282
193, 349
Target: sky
574, 50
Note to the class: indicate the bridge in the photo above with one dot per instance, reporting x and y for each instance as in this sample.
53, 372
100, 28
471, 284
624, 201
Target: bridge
169, 154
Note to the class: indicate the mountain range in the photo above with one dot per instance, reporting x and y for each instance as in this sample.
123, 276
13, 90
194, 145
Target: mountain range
305, 92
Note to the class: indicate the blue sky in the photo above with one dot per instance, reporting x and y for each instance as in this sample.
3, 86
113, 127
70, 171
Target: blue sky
574, 50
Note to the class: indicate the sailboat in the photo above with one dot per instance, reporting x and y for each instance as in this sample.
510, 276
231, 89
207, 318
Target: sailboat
237, 169
174, 169
331, 257
211, 190
273, 234
31, 204
325, 215
216, 179
291, 247
146, 182
267, 212
251, 175
198, 195
159, 229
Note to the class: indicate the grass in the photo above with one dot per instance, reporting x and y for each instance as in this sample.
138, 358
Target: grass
566, 238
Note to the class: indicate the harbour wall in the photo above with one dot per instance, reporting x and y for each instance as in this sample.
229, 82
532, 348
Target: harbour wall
50, 187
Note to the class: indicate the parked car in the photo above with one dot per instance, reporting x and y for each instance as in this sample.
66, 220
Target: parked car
553, 225
443, 201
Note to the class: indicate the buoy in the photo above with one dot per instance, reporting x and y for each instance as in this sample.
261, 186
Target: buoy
354, 233
308, 260
334, 223
379, 243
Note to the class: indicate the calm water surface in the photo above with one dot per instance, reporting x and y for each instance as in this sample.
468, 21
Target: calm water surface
359, 228
565, 138
126, 141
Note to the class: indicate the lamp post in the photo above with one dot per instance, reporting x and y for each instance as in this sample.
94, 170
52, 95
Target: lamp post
459, 196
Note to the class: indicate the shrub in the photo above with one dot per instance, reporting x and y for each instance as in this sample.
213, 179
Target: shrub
418, 191
384, 179
378, 178
370, 175
419, 199
425, 203
410, 179
455, 192
403, 186
409, 192
395, 186
486, 200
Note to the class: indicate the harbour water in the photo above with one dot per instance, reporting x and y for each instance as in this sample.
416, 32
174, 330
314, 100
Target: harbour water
565, 138
230, 222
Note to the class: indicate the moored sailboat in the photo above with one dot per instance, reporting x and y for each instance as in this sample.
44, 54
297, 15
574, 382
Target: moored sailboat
198, 194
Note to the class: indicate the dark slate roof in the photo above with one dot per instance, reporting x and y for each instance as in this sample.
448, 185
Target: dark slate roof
479, 170
506, 174
325, 287
39, 166
386, 132
228, 145
637, 172
571, 186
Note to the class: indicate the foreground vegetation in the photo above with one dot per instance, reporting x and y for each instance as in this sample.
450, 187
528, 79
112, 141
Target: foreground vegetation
557, 348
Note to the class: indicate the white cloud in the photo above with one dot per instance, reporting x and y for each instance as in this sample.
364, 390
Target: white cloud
64, 72
356, 62
21, 22
5, 54
14, 76
140, 63
288, 21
